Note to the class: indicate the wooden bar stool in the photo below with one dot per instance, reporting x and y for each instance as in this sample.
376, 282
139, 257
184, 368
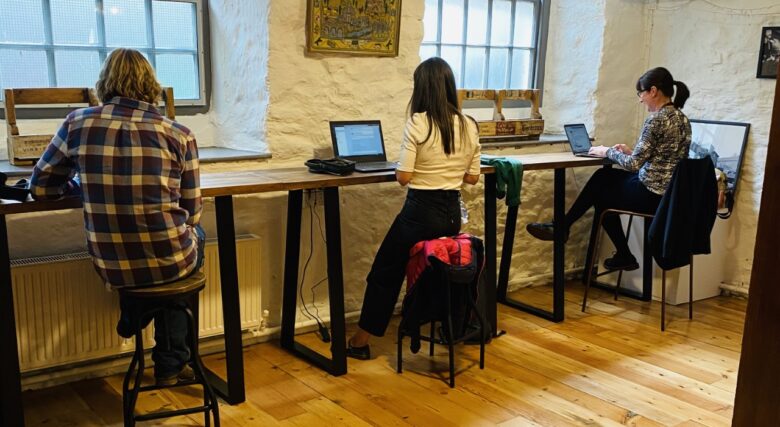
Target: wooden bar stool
185, 290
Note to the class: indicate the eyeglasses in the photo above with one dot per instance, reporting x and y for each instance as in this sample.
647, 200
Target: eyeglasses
639, 92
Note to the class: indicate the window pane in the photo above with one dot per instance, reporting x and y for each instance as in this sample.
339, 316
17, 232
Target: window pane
74, 22
502, 22
181, 72
497, 70
521, 69
77, 68
431, 20
21, 21
427, 51
23, 68
475, 68
524, 24
174, 25
125, 23
454, 56
452, 22
477, 22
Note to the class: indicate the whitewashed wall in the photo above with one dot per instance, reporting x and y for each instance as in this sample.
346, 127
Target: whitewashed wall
713, 47
269, 95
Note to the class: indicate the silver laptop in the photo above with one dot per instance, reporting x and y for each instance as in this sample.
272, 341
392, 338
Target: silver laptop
579, 140
361, 141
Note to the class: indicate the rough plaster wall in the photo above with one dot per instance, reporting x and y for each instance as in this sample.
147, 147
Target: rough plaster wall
239, 58
622, 61
713, 47
571, 68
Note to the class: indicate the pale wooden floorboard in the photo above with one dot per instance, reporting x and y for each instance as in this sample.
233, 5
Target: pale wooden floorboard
608, 366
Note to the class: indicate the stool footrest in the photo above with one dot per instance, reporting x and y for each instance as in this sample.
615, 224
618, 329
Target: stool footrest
175, 413
160, 387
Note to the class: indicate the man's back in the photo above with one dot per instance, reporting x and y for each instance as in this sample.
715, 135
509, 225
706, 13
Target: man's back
140, 185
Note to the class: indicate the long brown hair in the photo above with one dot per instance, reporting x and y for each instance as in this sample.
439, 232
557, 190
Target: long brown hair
128, 74
434, 93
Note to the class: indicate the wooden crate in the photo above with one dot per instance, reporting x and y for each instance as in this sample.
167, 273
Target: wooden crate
501, 127
25, 150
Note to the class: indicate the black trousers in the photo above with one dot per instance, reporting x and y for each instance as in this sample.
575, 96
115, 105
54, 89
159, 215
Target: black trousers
426, 214
610, 188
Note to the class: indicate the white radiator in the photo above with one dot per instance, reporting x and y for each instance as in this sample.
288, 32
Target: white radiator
64, 314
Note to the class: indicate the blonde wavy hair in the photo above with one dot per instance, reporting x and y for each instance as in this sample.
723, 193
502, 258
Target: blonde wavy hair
128, 74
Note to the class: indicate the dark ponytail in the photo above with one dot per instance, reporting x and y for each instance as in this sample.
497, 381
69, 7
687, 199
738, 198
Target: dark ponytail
681, 94
662, 79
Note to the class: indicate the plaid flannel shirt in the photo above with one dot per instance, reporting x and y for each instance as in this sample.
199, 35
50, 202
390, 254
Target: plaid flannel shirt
140, 186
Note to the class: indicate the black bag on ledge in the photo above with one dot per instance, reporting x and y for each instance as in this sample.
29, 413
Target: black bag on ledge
334, 166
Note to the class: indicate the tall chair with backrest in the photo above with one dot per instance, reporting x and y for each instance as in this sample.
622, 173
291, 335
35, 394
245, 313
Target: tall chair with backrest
680, 227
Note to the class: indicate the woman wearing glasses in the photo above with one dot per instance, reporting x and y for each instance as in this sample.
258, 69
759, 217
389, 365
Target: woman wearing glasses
646, 169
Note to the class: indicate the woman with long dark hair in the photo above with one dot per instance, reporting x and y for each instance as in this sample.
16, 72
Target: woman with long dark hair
647, 169
440, 152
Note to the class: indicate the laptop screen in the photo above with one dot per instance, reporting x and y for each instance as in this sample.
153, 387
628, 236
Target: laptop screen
578, 138
360, 140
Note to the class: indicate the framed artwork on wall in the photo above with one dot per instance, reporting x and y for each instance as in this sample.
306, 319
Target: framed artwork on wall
769, 55
360, 27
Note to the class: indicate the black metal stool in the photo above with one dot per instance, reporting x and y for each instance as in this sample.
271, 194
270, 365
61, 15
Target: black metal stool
434, 301
167, 295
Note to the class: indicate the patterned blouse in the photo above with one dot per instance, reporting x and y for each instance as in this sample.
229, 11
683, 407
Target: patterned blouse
665, 140
140, 186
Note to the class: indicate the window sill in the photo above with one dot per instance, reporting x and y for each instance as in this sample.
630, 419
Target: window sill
207, 155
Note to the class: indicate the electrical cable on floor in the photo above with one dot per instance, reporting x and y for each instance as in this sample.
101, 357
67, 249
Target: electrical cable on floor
324, 333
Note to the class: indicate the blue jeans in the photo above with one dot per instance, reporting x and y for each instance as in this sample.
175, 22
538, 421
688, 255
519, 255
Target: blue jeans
171, 351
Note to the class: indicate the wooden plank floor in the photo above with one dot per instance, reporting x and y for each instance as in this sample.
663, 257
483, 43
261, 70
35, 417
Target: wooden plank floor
609, 366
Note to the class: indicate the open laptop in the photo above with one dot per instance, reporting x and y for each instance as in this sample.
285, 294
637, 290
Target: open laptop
361, 141
578, 139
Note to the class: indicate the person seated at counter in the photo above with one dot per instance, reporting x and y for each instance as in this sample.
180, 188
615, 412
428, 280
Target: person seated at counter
647, 169
440, 151
140, 186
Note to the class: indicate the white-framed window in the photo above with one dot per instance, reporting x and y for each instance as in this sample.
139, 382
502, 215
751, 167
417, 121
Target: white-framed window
63, 43
490, 44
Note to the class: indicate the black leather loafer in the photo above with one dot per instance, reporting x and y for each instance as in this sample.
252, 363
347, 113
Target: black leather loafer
360, 353
621, 262
544, 231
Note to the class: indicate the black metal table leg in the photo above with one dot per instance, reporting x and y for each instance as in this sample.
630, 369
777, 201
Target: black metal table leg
11, 410
559, 255
337, 365
292, 249
559, 199
232, 389
490, 253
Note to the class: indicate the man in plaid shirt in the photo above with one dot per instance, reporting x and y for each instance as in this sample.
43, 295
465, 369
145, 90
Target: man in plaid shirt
137, 173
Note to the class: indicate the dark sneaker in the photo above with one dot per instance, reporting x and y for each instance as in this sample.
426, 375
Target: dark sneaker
360, 353
544, 231
186, 374
621, 262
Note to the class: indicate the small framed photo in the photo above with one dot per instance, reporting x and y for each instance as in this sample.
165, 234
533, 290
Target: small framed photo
367, 27
769, 55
